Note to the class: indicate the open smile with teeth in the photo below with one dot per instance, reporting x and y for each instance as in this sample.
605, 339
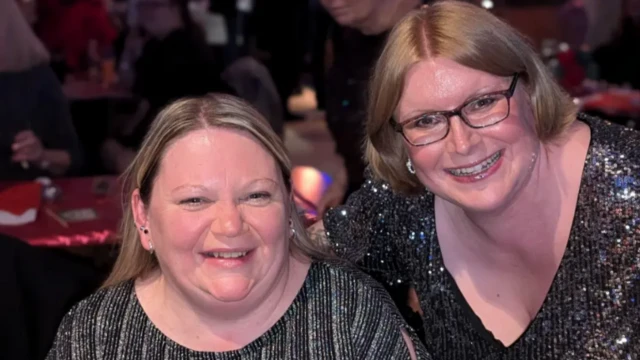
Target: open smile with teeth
226, 255
478, 168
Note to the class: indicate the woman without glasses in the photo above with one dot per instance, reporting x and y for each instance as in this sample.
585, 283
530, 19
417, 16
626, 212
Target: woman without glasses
215, 263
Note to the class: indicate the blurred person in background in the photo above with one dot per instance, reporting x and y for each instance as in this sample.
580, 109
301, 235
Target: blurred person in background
37, 137
175, 62
356, 39
618, 60
79, 34
280, 32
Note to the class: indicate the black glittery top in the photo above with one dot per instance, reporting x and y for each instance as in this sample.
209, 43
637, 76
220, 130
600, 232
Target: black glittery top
591, 310
340, 313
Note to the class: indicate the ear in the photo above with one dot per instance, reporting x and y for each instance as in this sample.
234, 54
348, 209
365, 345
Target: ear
140, 217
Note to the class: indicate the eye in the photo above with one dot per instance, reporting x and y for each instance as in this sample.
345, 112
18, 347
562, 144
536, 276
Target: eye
483, 103
259, 197
426, 122
194, 201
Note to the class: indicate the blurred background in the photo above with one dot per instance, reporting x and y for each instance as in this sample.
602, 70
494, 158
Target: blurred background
81, 80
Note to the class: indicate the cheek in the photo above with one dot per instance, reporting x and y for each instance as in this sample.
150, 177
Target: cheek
426, 159
180, 230
269, 223
363, 10
517, 130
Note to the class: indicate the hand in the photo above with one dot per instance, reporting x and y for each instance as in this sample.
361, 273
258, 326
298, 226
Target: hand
27, 147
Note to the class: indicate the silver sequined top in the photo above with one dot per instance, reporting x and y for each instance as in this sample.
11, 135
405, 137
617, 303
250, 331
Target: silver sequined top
340, 313
591, 310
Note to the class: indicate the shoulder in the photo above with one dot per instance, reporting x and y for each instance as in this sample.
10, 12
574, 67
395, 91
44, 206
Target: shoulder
103, 308
609, 139
94, 323
362, 308
613, 160
611, 184
376, 201
353, 289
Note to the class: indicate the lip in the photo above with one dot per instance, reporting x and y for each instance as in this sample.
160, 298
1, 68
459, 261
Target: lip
228, 263
480, 176
226, 250
475, 162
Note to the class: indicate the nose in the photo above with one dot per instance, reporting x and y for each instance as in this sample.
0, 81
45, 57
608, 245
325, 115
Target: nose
461, 137
228, 221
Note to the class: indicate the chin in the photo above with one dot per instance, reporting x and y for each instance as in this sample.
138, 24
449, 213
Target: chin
491, 198
230, 289
483, 204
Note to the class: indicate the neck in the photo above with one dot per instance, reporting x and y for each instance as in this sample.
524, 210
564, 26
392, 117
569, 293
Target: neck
224, 327
387, 15
521, 234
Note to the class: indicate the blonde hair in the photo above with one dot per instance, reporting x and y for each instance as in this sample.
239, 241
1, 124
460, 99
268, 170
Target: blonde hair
470, 36
174, 122
20, 47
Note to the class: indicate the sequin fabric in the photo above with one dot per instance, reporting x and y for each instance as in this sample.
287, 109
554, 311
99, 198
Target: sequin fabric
340, 313
591, 310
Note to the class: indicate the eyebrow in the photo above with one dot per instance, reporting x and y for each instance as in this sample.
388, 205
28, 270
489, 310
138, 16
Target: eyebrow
205, 188
478, 93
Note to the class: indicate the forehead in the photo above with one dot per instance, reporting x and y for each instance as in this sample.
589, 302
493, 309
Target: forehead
217, 154
440, 84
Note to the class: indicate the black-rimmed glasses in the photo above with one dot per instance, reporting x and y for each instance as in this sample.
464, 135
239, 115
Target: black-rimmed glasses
479, 112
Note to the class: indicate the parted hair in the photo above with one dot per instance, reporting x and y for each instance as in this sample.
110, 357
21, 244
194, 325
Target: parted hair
172, 123
470, 36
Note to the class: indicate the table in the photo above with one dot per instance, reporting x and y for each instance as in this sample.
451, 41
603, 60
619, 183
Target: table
614, 102
76, 193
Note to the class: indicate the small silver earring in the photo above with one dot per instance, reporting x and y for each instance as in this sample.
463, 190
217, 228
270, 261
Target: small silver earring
410, 167
293, 230
151, 249
144, 230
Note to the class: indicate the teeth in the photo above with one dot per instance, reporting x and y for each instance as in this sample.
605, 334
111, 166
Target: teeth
226, 255
477, 168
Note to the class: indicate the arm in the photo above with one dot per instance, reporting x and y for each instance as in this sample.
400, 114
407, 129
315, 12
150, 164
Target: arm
409, 342
56, 161
362, 232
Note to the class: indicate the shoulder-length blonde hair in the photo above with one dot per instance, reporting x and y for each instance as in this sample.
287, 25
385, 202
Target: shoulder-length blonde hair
470, 36
174, 122
20, 48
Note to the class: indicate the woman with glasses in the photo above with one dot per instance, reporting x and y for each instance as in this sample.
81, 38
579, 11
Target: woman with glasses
516, 220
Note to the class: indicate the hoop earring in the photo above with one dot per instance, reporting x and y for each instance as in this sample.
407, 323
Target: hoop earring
410, 168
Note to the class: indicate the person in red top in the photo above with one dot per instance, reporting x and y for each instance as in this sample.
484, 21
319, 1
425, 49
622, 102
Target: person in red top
67, 28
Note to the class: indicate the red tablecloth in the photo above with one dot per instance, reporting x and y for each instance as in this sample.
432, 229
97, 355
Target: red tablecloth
77, 193
616, 102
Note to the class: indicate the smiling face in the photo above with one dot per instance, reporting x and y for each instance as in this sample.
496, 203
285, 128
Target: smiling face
218, 218
476, 169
